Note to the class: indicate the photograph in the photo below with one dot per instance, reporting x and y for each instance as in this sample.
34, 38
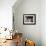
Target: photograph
29, 19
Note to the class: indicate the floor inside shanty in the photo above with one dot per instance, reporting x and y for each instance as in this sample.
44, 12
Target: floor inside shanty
8, 43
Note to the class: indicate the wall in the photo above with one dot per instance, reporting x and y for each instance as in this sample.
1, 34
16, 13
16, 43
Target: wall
43, 22
6, 13
32, 32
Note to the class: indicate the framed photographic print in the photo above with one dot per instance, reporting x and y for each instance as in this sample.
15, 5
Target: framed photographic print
29, 19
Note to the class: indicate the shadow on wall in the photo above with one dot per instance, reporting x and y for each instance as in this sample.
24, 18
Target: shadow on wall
29, 7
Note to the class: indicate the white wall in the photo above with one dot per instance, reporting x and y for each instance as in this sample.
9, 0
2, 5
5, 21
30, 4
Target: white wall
30, 31
6, 13
43, 22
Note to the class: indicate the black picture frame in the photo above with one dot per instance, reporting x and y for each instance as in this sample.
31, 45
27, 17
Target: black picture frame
29, 19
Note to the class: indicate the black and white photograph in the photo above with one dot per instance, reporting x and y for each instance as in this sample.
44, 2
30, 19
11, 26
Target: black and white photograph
29, 19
